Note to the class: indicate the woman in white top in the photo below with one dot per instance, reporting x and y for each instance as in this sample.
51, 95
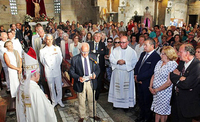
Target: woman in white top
75, 47
14, 63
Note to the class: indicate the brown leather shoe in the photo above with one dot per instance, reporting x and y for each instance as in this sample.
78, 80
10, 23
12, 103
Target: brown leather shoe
81, 120
96, 118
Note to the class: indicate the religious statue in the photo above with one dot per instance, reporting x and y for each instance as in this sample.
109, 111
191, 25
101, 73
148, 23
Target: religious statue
37, 8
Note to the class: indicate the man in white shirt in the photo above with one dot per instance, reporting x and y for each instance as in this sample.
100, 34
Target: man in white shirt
51, 58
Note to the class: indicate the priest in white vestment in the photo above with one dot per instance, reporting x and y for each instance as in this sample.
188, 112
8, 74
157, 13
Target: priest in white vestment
32, 104
122, 87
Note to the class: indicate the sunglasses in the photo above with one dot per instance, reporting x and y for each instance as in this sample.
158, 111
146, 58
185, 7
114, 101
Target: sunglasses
110, 41
117, 42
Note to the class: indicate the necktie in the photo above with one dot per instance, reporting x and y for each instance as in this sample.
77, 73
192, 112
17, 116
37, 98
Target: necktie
144, 59
96, 46
42, 41
86, 67
183, 70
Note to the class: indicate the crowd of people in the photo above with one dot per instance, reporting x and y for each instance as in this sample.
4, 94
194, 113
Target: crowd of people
156, 68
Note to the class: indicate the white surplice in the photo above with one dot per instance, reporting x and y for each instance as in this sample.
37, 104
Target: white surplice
122, 86
40, 110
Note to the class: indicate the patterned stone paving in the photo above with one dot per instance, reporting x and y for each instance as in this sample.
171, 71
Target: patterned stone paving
70, 112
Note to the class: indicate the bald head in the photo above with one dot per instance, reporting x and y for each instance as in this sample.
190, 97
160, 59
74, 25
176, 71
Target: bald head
123, 42
85, 49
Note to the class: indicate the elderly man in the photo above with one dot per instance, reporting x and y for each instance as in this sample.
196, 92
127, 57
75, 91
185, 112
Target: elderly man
122, 27
84, 34
4, 37
36, 35
60, 37
98, 48
191, 39
144, 70
122, 86
85, 71
31, 103
185, 94
37, 44
51, 58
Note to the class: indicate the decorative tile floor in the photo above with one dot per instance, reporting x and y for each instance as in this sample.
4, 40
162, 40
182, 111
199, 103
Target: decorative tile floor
70, 112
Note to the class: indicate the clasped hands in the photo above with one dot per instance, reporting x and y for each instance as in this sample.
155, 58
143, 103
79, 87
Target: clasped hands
81, 79
177, 72
153, 91
121, 62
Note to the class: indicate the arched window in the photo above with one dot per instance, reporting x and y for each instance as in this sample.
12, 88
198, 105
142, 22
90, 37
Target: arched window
13, 7
57, 6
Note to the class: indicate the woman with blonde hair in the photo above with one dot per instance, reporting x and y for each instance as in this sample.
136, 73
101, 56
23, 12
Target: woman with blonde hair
160, 84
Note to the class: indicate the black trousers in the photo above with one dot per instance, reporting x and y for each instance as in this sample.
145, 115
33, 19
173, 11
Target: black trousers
176, 115
145, 100
99, 85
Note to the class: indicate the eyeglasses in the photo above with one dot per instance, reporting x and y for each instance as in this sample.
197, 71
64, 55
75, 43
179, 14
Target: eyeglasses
123, 42
84, 52
162, 54
117, 42
110, 41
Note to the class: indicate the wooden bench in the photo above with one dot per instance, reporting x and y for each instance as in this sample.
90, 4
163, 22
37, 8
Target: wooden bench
3, 108
67, 84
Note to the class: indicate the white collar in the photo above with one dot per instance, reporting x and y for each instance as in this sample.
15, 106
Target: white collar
188, 63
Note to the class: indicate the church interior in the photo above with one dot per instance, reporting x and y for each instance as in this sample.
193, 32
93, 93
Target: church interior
150, 12
100, 11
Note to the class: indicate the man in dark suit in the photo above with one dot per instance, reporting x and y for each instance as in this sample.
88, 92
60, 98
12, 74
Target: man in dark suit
144, 70
98, 48
185, 99
60, 37
84, 71
18, 33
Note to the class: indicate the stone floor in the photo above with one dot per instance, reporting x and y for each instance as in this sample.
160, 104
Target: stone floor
70, 112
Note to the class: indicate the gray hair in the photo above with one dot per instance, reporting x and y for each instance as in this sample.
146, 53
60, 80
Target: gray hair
65, 34
48, 35
84, 29
189, 48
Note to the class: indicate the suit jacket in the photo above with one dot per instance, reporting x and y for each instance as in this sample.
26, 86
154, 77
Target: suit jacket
57, 41
76, 71
147, 69
19, 34
101, 51
37, 46
189, 90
